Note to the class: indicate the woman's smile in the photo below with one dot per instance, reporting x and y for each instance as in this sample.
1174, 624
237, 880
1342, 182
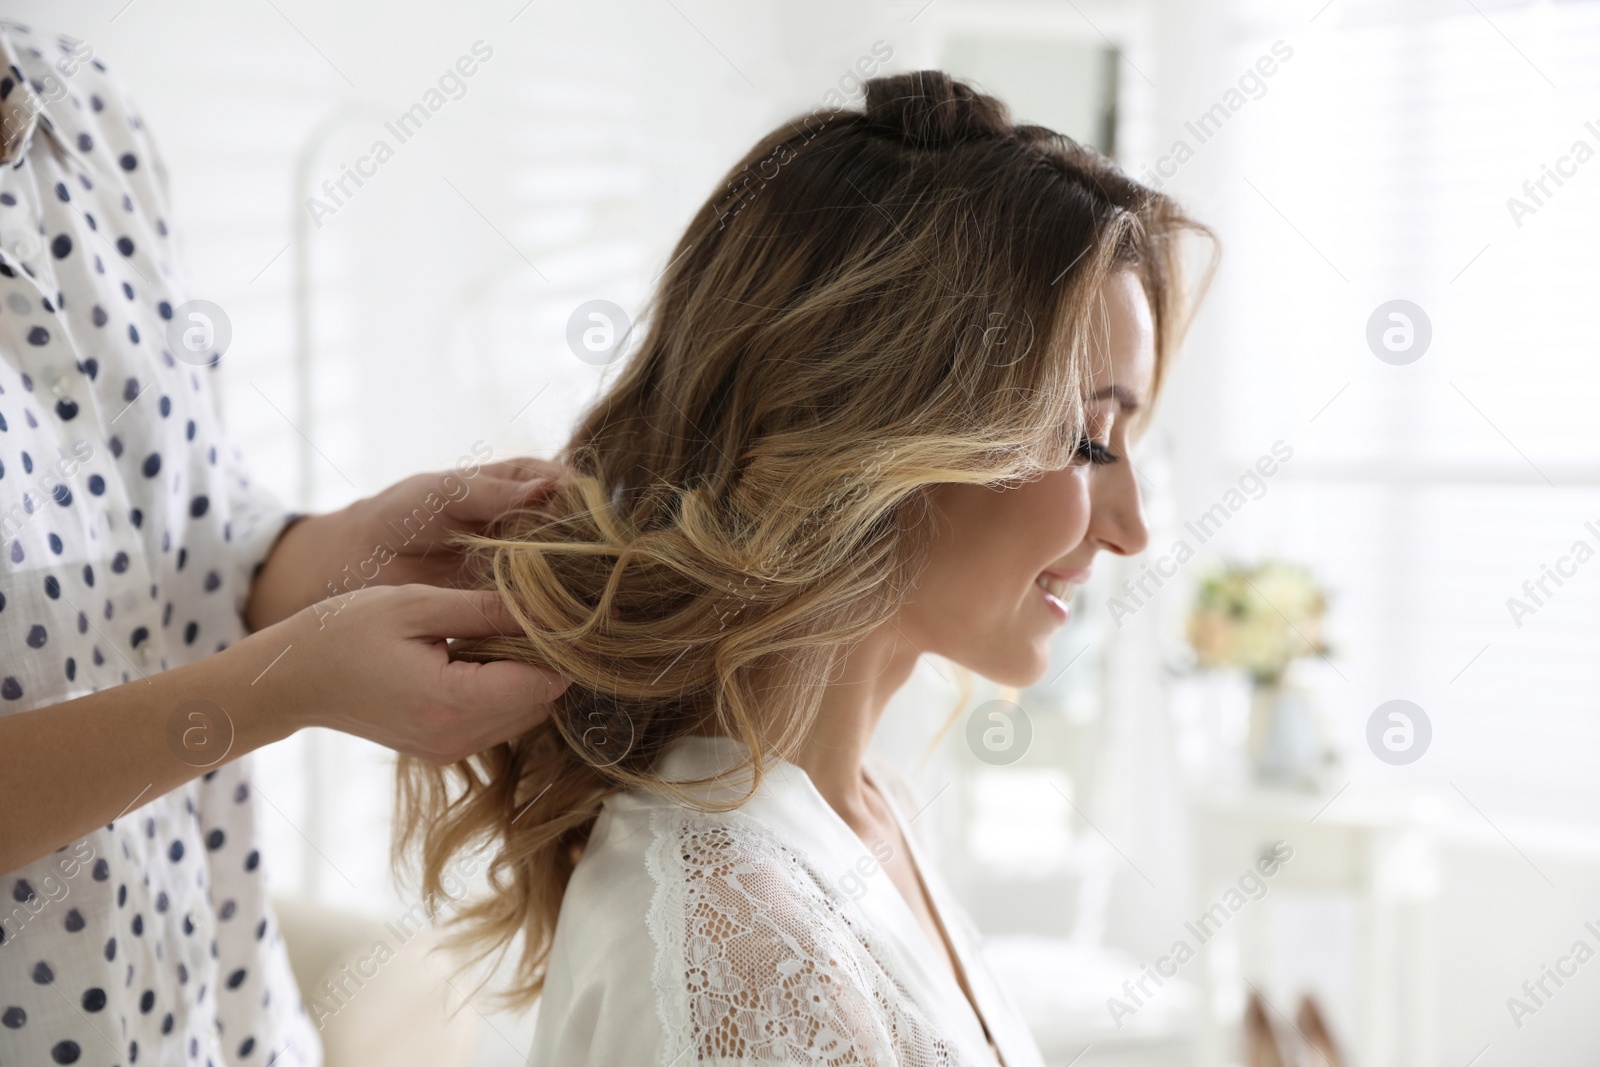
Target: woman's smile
1058, 588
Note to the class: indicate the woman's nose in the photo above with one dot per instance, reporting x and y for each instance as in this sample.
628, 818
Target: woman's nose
1117, 516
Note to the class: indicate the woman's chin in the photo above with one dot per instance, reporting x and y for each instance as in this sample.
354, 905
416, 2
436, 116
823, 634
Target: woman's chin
1021, 666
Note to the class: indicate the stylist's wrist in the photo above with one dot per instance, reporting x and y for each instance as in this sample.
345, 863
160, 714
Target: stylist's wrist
295, 574
243, 681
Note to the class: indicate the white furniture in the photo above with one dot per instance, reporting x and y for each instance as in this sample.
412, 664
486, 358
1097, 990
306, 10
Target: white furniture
1061, 987
1371, 842
396, 1009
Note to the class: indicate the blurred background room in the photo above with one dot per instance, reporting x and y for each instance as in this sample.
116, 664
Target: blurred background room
1323, 758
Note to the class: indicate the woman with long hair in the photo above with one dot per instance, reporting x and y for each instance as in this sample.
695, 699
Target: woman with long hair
881, 409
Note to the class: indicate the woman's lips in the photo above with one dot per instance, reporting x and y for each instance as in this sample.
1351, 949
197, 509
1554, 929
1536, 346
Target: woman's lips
1058, 587
1057, 593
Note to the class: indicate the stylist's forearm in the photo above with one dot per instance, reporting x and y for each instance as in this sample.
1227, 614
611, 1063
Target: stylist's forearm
376, 666
71, 767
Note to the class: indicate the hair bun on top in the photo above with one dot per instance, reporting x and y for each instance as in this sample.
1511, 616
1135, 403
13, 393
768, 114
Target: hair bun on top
930, 109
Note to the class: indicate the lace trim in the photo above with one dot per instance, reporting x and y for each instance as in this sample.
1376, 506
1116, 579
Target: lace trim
759, 960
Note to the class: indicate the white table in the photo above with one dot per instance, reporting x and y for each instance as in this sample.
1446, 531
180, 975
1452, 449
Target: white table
1371, 841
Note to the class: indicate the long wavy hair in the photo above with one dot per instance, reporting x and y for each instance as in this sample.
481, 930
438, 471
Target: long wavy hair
876, 302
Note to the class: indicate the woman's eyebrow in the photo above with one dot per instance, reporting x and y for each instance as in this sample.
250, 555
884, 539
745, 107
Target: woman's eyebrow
1123, 397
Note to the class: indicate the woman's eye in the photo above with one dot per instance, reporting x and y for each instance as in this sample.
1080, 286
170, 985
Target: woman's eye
1095, 452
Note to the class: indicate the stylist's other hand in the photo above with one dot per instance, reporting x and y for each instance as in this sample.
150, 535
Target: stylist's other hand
400, 536
376, 665
402, 516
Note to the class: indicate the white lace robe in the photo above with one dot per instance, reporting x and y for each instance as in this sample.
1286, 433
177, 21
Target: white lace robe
766, 935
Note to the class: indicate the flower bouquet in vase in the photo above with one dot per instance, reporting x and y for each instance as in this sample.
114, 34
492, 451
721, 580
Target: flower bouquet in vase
1259, 619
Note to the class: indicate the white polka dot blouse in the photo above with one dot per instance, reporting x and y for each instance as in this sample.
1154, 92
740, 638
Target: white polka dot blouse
128, 538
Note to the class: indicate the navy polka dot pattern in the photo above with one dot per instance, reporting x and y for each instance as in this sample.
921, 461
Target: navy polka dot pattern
124, 554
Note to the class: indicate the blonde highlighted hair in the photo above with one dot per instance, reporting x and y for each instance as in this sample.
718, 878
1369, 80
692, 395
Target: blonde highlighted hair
877, 302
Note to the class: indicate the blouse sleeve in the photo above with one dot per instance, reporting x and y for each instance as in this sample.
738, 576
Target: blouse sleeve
256, 519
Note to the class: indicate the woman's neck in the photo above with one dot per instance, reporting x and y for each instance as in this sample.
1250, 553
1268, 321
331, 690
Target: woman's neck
852, 704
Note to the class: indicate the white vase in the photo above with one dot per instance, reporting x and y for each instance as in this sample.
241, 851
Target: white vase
1287, 746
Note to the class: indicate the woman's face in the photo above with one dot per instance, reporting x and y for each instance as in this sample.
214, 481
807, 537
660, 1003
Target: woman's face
1005, 563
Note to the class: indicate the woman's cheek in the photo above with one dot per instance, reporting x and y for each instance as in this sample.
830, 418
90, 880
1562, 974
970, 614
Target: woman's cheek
1058, 511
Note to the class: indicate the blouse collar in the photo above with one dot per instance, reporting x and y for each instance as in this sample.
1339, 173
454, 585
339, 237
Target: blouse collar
24, 111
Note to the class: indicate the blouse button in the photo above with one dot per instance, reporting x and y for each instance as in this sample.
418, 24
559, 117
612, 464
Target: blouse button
22, 245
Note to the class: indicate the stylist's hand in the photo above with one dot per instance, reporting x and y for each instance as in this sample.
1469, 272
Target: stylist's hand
373, 664
379, 668
397, 537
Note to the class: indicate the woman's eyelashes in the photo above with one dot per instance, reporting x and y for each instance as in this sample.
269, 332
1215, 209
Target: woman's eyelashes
1096, 453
